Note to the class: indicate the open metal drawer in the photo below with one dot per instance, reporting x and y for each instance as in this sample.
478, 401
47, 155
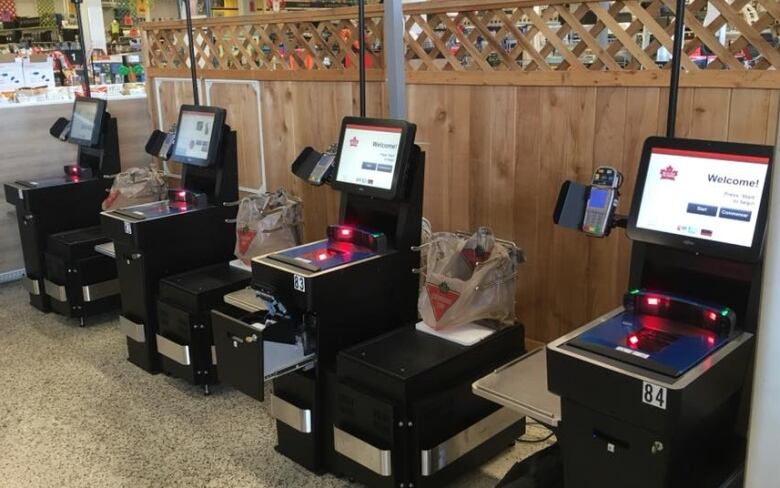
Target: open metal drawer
248, 357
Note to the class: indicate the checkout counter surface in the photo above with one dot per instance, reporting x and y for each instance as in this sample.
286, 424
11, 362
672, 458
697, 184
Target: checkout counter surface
522, 386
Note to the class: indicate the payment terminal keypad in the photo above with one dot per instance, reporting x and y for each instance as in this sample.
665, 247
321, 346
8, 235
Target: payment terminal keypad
597, 212
602, 201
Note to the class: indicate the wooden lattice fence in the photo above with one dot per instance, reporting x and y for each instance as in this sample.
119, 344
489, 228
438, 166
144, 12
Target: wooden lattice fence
489, 40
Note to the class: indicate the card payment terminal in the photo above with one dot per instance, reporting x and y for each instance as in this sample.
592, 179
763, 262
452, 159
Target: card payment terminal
602, 201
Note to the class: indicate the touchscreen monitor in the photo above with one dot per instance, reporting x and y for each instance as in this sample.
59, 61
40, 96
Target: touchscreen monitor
709, 197
197, 135
86, 121
372, 155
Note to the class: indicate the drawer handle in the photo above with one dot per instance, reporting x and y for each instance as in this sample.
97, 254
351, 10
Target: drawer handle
242, 340
298, 418
452, 449
377, 460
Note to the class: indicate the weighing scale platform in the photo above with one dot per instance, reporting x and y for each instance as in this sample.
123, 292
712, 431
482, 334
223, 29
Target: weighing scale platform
77, 244
200, 289
421, 383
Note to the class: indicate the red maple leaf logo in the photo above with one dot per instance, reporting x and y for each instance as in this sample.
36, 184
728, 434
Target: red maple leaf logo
353, 142
669, 173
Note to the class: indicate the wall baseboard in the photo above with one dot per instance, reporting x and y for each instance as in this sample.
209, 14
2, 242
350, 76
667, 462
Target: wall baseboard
13, 275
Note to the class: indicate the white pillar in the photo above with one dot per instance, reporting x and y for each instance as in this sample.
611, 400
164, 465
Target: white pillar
395, 59
94, 29
763, 468
603, 37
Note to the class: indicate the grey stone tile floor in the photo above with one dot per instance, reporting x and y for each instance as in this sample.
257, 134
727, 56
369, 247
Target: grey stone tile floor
75, 413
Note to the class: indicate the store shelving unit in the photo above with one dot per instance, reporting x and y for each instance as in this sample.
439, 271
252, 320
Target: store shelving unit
224, 8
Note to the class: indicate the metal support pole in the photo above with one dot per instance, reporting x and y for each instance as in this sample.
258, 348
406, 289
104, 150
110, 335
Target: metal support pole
762, 468
677, 54
393, 48
362, 54
83, 48
190, 40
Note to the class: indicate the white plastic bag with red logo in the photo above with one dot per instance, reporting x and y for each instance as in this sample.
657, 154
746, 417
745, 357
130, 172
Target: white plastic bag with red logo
468, 279
136, 186
267, 222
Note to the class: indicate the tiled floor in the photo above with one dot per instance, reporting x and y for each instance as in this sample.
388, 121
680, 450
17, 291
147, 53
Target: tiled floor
75, 413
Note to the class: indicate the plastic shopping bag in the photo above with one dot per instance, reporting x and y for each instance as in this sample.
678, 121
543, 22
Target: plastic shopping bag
266, 223
136, 186
469, 278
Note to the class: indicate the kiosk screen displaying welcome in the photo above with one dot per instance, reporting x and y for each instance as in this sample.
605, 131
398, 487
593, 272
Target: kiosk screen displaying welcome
369, 155
706, 195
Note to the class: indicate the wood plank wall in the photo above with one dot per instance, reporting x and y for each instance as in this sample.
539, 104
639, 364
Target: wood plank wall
497, 155
296, 115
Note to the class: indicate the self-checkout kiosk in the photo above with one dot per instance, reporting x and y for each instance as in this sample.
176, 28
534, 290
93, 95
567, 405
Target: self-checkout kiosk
319, 298
652, 394
184, 232
63, 271
357, 389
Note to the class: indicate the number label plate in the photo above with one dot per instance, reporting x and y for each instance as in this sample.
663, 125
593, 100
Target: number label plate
654, 395
21, 193
128, 228
299, 283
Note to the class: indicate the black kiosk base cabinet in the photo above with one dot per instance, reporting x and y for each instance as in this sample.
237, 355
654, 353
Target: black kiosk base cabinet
653, 430
322, 298
405, 414
184, 232
79, 281
184, 336
653, 394
72, 201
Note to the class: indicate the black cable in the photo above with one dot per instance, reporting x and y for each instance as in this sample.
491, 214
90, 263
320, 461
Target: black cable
674, 85
82, 43
193, 73
536, 441
362, 54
